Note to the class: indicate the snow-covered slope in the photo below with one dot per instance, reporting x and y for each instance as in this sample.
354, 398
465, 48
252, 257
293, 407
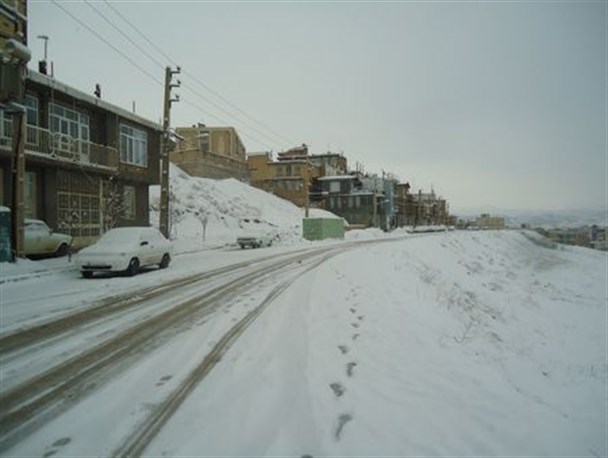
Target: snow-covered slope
230, 207
455, 344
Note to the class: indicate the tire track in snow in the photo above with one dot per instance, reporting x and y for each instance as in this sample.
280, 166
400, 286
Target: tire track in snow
147, 431
29, 405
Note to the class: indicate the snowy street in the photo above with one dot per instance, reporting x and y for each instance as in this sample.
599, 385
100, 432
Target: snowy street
455, 343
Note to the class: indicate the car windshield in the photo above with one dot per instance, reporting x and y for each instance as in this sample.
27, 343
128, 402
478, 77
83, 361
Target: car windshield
36, 226
121, 235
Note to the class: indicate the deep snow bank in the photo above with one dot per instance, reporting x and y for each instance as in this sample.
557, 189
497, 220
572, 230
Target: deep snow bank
230, 207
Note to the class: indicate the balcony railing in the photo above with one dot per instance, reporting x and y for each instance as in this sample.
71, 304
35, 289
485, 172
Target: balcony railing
54, 145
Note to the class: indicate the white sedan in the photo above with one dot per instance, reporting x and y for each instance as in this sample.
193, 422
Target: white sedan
125, 249
39, 239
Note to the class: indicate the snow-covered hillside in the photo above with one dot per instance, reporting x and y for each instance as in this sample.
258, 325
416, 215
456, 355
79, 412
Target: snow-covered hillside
231, 208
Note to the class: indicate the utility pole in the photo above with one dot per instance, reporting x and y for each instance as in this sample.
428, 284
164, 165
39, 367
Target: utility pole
164, 154
18, 182
307, 189
13, 61
375, 208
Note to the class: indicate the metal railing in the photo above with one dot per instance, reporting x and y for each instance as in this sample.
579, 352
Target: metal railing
55, 145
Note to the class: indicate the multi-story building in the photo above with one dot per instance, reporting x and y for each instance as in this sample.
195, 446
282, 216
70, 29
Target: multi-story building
329, 164
88, 163
210, 152
13, 21
289, 177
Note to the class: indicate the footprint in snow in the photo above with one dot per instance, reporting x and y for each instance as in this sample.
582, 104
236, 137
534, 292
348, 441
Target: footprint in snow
343, 349
350, 367
342, 420
163, 380
337, 388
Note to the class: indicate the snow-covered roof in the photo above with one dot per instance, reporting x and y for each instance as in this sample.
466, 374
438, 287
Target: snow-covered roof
4, 209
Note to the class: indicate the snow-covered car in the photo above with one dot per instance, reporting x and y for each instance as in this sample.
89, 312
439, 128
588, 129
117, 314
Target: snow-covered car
125, 250
40, 240
255, 239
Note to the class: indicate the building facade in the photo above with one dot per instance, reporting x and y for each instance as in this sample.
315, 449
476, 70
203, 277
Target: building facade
210, 152
289, 177
13, 21
329, 164
88, 163
350, 197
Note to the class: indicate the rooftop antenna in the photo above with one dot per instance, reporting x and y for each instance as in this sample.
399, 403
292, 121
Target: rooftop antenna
42, 64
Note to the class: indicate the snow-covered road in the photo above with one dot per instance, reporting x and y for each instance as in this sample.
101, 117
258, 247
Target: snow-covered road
476, 344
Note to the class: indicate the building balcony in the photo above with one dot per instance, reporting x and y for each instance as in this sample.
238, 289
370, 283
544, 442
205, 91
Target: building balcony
60, 147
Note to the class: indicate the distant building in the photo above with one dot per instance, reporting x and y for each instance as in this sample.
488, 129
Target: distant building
487, 222
289, 177
343, 195
210, 152
329, 164
420, 209
570, 236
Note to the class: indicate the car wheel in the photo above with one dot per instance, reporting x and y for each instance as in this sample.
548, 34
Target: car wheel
62, 250
133, 267
86, 274
164, 263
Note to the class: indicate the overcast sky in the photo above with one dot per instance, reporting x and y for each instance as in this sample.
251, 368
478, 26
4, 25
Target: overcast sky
499, 104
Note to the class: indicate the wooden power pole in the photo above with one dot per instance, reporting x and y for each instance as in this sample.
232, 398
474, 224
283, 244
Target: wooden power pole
14, 57
165, 147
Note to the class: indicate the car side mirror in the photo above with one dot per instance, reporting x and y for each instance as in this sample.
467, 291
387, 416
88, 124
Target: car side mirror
144, 243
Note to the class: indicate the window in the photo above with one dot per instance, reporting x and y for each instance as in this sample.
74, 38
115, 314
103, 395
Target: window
129, 202
72, 128
133, 146
29, 195
6, 126
31, 104
334, 186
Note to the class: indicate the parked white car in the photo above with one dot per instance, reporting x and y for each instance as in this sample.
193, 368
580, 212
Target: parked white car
126, 250
39, 239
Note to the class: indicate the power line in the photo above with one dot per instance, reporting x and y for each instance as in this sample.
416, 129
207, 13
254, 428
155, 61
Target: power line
160, 51
107, 42
115, 27
218, 95
193, 91
222, 109
243, 132
198, 81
